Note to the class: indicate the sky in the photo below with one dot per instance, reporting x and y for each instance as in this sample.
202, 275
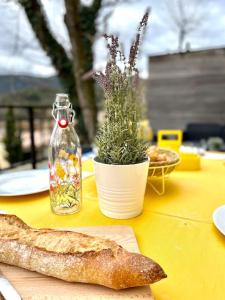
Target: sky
20, 52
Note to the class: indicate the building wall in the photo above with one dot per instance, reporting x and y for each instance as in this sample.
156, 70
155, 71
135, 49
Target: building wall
185, 88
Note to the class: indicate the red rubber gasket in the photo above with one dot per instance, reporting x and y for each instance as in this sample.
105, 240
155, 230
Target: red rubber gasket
63, 123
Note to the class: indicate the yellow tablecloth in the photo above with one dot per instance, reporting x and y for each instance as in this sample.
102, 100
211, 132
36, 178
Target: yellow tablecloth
175, 229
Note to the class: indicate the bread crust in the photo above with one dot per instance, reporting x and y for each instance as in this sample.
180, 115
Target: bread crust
74, 257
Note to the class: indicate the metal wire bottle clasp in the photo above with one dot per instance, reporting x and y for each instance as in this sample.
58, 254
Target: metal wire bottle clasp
63, 122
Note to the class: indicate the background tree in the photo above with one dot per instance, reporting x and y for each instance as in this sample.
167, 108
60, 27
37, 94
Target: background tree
80, 22
12, 139
74, 69
185, 17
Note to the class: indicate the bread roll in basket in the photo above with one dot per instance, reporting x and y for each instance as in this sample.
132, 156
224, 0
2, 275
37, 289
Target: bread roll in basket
162, 161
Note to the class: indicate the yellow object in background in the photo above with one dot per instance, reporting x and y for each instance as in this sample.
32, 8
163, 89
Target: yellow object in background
189, 162
145, 131
170, 139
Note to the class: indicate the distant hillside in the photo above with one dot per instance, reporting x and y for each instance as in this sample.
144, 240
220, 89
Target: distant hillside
27, 90
36, 91
14, 83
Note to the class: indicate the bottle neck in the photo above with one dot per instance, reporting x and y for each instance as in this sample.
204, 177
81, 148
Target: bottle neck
62, 106
62, 113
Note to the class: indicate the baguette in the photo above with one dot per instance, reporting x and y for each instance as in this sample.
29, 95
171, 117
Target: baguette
74, 257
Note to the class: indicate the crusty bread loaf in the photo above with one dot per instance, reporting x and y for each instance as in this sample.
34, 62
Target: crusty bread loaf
74, 257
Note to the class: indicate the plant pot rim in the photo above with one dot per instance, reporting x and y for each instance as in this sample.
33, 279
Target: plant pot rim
120, 166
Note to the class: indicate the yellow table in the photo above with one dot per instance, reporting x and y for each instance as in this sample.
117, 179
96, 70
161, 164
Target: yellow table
175, 229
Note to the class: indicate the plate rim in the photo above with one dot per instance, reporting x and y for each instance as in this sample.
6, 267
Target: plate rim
25, 193
215, 214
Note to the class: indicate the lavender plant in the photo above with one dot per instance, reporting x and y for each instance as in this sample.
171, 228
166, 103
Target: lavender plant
118, 140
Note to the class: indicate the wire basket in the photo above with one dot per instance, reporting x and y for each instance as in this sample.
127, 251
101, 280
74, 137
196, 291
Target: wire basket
158, 171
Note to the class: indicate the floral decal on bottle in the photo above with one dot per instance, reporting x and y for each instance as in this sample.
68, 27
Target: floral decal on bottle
65, 180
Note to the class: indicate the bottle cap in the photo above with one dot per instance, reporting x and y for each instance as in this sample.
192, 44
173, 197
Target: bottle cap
62, 100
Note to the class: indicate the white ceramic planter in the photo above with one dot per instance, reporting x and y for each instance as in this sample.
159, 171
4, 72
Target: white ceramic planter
121, 188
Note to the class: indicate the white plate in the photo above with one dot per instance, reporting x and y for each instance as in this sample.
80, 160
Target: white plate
24, 182
27, 182
219, 219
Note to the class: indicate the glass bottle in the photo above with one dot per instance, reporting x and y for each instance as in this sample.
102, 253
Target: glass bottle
64, 160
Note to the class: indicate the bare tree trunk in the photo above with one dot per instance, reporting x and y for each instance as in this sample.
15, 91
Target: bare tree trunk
181, 38
85, 88
53, 49
57, 54
186, 17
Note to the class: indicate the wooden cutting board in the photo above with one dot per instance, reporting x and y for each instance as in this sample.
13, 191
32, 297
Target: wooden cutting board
32, 285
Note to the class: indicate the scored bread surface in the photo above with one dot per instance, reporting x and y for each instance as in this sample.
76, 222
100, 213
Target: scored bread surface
73, 256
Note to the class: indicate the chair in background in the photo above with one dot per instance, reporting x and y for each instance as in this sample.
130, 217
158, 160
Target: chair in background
198, 131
